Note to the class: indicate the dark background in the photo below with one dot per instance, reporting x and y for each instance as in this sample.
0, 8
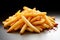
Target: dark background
9, 7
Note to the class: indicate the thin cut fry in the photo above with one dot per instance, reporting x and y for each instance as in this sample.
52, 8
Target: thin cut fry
35, 18
23, 29
39, 27
51, 19
29, 29
46, 26
12, 23
39, 22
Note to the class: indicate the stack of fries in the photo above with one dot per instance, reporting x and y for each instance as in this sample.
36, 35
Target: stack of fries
31, 20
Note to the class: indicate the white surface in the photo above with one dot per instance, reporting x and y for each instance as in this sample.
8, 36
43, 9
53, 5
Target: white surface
46, 35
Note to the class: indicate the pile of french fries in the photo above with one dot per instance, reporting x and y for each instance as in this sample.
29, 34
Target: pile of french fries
31, 20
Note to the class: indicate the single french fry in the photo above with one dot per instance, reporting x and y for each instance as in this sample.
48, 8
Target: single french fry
49, 22
4, 22
23, 29
39, 22
26, 8
51, 19
29, 29
8, 19
15, 25
39, 27
17, 13
12, 23
46, 26
34, 18
29, 24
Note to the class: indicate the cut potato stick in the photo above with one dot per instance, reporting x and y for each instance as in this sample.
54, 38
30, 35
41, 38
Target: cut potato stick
51, 19
9, 19
17, 13
23, 29
15, 25
26, 8
39, 22
49, 22
46, 26
29, 29
29, 24
12, 23
31, 20
34, 18
39, 27
4, 22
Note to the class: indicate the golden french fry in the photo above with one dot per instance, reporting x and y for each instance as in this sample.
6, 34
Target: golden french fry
23, 29
12, 23
46, 26
26, 8
4, 22
49, 22
29, 24
15, 25
8, 19
29, 29
39, 22
17, 13
51, 19
39, 27
34, 18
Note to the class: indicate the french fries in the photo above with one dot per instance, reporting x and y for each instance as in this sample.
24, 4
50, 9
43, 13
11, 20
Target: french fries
31, 20
29, 24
